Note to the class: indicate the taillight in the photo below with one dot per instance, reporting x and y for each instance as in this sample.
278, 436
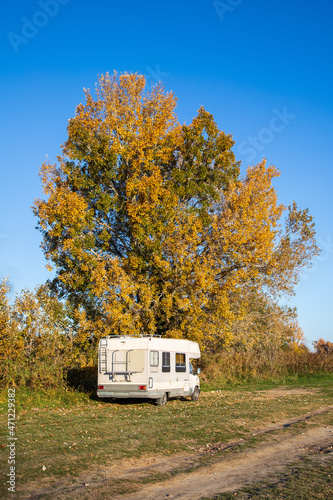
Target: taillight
142, 387
101, 387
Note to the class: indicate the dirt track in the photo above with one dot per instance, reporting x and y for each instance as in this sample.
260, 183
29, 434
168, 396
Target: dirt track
230, 474
226, 472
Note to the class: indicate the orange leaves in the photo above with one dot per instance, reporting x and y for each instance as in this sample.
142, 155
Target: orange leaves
63, 209
322, 347
149, 202
36, 346
64, 217
135, 123
247, 223
149, 226
5, 319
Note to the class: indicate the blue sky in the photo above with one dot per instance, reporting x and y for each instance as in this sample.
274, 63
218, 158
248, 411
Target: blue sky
262, 68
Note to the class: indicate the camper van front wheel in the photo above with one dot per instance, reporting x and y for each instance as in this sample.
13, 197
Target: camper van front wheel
162, 401
195, 394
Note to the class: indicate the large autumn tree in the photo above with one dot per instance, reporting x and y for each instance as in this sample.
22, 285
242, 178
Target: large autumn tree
149, 225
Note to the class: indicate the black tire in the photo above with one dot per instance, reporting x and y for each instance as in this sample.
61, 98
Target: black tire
195, 394
163, 400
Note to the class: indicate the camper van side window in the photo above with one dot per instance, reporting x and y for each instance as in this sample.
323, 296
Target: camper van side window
180, 362
165, 361
153, 358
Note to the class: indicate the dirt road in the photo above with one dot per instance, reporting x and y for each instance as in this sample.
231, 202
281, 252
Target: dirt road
232, 473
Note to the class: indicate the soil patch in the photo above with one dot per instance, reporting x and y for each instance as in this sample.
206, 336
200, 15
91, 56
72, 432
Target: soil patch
279, 393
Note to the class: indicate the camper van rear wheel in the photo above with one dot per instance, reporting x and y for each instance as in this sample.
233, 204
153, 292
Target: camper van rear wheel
162, 401
195, 394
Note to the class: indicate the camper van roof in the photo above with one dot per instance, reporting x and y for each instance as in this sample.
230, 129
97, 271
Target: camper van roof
151, 342
132, 336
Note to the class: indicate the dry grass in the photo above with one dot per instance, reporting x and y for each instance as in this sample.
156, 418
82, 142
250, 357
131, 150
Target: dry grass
233, 367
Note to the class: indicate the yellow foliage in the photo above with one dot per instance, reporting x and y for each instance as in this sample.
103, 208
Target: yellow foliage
149, 226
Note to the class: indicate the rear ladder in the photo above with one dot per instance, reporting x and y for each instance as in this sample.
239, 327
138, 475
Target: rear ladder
103, 356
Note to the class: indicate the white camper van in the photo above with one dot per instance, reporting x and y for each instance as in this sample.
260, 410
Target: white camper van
147, 367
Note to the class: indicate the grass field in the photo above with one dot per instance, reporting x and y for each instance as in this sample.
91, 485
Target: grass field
64, 433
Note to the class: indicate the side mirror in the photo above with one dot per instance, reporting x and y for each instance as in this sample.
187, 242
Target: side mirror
198, 371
